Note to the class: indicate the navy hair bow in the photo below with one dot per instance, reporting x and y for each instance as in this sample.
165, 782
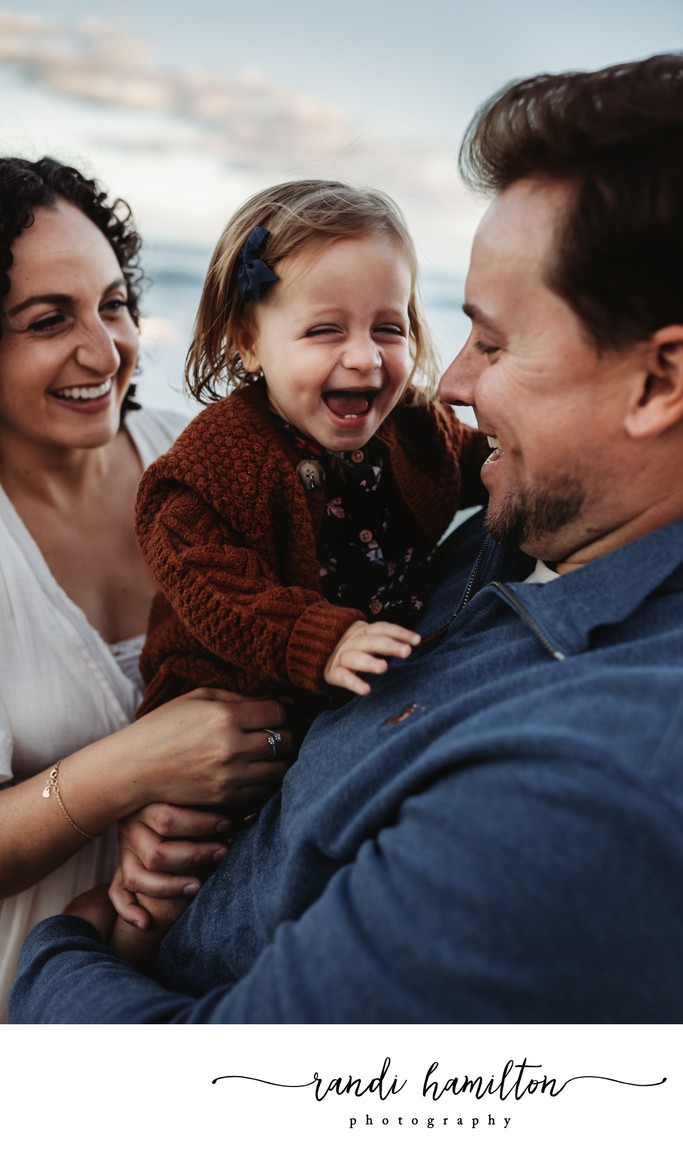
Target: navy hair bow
253, 274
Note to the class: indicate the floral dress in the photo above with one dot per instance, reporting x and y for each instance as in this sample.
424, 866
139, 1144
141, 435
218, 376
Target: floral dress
367, 545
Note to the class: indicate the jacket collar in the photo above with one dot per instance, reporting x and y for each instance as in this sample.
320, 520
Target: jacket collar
606, 591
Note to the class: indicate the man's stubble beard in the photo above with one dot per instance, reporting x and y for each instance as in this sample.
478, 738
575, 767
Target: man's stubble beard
525, 517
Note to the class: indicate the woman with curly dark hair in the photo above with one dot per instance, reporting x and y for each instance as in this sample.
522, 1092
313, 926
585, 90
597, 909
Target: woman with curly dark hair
74, 591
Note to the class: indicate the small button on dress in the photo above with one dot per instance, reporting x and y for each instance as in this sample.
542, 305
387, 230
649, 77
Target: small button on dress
310, 474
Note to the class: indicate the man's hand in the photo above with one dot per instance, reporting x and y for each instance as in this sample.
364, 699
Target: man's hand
166, 852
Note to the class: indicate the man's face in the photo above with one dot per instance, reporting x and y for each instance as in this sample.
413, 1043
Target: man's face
552, 404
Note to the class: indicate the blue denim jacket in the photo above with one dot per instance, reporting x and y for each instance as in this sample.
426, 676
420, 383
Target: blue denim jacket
494, 834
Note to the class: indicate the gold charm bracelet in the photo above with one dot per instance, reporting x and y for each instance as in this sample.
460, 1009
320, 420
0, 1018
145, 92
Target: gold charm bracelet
53, 785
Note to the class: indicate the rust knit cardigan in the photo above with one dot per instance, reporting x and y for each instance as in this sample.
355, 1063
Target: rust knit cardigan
230, 535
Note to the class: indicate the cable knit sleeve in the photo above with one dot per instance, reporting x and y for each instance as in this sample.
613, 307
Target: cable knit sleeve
227, 531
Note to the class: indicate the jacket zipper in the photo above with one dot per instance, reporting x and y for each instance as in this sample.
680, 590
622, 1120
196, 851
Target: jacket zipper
514, 602
473, 576
531, 623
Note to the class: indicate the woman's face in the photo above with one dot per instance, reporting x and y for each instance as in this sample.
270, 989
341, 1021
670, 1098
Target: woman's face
69, 345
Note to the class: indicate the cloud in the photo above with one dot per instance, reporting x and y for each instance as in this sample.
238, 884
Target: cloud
92, 60
247, 121
251, 129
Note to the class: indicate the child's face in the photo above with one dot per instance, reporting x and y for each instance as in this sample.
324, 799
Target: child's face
331, 337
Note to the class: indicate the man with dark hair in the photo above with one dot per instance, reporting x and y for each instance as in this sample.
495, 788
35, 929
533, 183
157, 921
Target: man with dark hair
613, 139
494, 833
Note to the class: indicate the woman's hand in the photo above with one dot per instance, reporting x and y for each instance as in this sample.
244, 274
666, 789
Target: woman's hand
208, 748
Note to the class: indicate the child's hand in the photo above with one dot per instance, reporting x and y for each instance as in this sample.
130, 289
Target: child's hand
358, 648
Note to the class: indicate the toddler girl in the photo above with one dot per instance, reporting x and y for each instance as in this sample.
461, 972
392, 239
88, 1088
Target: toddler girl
291, 524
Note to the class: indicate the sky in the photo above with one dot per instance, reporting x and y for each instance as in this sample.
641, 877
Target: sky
184, 110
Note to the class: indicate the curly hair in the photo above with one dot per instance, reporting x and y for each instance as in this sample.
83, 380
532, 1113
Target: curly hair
26, 185
615, 138
296, 214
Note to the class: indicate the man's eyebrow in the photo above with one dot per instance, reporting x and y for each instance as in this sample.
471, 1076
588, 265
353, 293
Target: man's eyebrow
477, 315
58, 299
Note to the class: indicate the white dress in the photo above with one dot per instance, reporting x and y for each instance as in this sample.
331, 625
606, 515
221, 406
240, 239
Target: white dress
61, 688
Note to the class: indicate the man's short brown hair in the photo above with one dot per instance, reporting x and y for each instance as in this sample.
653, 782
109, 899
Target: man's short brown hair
616, 137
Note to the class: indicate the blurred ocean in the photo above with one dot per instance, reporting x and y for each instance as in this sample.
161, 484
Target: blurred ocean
175, 276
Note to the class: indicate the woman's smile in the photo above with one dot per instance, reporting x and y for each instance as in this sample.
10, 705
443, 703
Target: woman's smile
85, 397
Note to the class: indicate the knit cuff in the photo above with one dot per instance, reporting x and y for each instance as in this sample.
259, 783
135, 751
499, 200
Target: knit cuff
313, 639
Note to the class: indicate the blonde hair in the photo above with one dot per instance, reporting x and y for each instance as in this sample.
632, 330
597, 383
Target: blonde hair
295, 214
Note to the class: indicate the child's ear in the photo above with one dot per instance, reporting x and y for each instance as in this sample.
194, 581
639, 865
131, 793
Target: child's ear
659, 402
246, 346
